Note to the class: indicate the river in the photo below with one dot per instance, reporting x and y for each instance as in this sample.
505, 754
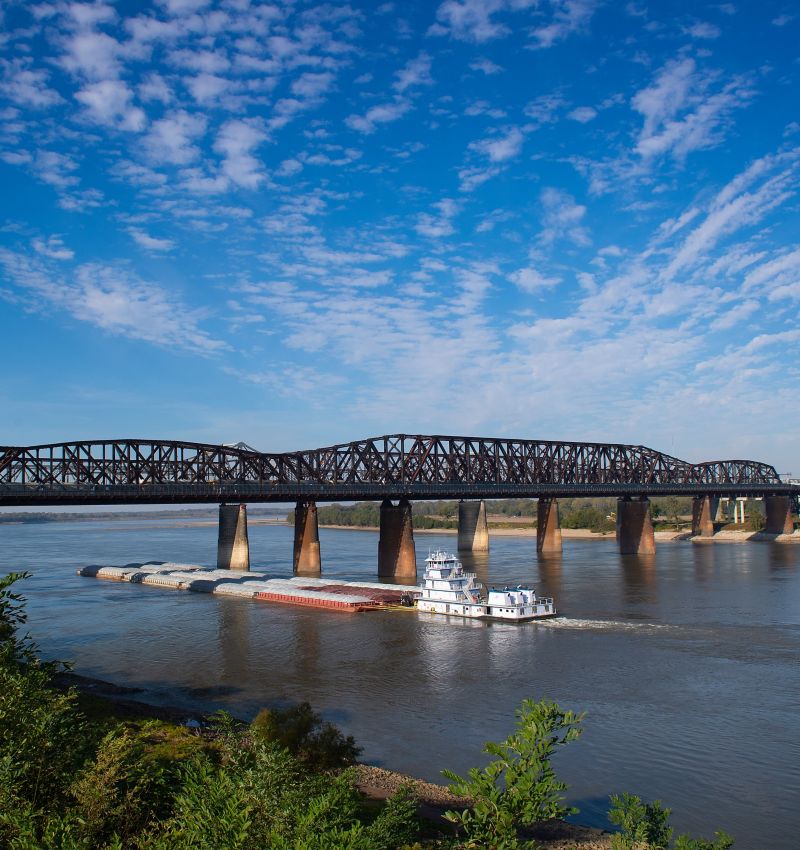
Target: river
686, 664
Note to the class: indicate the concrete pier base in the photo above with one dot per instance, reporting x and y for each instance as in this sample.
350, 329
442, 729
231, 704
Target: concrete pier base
397, 557
548, 528
307, 560
635, 527
233, 547
778, 515
704, 508
473, 530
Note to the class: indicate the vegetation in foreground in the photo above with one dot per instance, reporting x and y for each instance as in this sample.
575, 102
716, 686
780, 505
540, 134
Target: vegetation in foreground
285, 782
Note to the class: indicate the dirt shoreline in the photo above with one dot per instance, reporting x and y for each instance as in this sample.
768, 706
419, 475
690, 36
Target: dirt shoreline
375, 783
566, 533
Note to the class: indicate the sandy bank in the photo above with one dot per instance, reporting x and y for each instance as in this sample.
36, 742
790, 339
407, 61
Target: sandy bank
582, 533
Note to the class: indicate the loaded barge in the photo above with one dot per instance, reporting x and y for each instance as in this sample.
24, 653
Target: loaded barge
347, 596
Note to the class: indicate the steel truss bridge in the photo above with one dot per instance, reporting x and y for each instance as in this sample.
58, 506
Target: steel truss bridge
393, 466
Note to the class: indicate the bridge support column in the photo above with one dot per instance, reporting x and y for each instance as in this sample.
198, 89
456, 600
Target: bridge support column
307, 559
634, 527
548, 528
233, 547
704, 508
473, 531
779, 515
397, 557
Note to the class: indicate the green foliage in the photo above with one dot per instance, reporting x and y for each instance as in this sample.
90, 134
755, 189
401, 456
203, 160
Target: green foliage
42, 735
755, 517
722, 841
315, 743
519, 786
587, 517
12, 612
643, 826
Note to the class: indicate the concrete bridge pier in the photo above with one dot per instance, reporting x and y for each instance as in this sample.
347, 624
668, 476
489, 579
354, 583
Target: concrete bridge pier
307, 560
635, 527
704, 509
397, 557
233, 547
548, 527
473, 530
778, 515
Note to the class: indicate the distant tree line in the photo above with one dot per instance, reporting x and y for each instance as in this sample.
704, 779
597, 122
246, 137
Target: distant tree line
598, 515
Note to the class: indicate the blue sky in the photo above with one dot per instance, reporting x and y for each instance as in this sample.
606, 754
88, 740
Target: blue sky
299, 224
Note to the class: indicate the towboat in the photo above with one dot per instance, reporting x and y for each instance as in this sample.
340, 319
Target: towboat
447, 589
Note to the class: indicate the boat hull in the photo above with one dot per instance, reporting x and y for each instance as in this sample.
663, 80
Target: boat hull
482, 612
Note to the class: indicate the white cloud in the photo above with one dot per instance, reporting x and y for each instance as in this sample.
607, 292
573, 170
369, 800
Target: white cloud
562, 217
544, 109
735, 315
703, 30
680, 113
502, 148
736, 205
473, 20
312, 85
26, 86
569, 16
206, 88
384, 113
150, 243
108, 102
438, 226
154, 88
53, 247
582, 114
111, 299
236, 141
531, 280
485, 66
416, 72
172, 139
94, 55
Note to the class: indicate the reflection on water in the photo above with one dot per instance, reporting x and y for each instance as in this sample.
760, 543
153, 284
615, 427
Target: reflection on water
550, 569
639, 577
681, 660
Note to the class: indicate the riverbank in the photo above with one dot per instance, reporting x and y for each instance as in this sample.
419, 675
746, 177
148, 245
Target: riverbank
103, 701
566, 533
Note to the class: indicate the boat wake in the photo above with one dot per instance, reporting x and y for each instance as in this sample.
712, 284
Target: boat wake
579, 623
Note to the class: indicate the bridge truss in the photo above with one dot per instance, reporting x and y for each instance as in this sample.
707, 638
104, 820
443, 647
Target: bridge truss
414, 466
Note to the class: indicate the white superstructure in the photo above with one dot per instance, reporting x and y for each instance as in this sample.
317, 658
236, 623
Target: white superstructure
447, 589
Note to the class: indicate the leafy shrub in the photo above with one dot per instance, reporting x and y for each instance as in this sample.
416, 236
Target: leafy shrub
519, 786
643, 826
317, 744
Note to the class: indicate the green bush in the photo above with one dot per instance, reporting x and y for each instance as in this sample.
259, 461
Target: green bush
315, 743
518, 787
643, 826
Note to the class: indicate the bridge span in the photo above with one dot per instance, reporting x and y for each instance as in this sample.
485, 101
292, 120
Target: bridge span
398, 467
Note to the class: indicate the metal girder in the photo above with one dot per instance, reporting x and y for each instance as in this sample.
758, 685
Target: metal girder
418, 466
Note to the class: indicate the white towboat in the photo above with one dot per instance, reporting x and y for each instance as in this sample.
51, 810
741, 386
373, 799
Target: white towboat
447, 589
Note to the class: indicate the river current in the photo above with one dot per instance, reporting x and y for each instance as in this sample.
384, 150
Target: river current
686, 663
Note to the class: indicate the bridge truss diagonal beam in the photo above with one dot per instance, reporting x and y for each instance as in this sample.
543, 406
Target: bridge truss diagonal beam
394, 465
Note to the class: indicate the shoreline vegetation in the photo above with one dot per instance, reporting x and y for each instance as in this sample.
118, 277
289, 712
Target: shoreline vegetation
585, 518
86, 766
